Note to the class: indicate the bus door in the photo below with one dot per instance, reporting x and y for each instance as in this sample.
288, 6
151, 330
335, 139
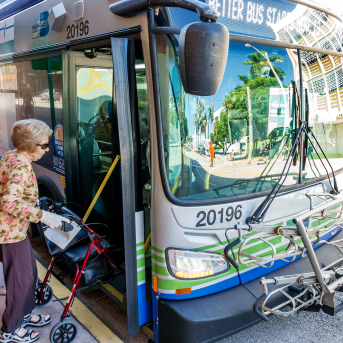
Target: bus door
108, 93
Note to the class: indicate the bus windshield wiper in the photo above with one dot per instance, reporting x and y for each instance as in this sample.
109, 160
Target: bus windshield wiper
261, 211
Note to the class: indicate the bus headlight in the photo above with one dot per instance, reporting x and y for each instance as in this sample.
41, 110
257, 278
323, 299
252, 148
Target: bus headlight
185, 264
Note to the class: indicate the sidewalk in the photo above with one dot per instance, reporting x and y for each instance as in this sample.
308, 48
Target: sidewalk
55, 309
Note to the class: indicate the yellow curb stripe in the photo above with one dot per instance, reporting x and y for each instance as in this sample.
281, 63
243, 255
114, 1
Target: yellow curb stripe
113, 291
81, 312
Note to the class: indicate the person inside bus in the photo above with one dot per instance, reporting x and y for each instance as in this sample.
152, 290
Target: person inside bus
18, 197
103, 128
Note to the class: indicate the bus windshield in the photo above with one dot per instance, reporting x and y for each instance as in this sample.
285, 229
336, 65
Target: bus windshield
249, 124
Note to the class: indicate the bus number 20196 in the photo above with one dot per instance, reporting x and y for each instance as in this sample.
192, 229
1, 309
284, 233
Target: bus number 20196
211, 216
78, 30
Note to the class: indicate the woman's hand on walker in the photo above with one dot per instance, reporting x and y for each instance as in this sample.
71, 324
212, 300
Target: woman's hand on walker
54, 221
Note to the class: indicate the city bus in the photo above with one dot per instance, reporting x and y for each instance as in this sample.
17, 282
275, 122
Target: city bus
151, 81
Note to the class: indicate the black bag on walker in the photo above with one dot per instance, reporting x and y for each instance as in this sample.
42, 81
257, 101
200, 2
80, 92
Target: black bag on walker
73, 245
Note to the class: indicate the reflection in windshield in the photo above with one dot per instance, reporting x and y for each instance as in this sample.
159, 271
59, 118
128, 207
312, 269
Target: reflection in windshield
323, 80
251, 122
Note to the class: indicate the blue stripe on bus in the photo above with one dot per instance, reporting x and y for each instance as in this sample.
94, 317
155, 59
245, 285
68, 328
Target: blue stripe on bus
245, 277
217, 287
17, 6
144, 307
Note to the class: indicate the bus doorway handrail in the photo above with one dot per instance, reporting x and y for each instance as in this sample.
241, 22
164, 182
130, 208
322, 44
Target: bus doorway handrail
91, 206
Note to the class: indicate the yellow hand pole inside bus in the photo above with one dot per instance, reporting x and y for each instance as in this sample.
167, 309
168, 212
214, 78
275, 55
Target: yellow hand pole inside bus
90, 208
147, 243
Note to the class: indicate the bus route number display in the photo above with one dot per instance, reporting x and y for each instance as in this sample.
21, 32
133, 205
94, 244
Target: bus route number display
78, 30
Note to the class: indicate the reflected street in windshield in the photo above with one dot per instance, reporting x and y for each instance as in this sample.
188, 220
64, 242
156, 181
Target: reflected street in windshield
253, 118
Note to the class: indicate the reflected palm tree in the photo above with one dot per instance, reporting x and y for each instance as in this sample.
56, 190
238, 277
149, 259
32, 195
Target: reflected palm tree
210, 119
259, 64
199, 117
243, 78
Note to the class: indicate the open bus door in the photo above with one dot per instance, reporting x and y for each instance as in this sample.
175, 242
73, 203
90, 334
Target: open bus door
101, 84
139, 310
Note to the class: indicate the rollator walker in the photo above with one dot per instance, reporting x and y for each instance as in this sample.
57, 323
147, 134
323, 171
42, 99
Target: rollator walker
86, 253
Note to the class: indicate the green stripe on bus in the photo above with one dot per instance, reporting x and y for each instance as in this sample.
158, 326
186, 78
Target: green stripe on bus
140, 252
220, 251
158, 258
178, 284
326, 221
158, 250
278, 251
139, 244
262, 246
141, 275
160, 270
208, 246
141, 262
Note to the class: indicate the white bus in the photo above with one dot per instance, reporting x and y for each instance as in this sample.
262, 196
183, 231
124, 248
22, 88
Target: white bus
139, 79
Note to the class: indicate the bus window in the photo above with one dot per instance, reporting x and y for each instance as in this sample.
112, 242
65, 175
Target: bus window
36, 87
94, 117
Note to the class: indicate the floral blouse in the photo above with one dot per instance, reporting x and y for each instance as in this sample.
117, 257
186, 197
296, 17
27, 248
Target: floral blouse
18, 196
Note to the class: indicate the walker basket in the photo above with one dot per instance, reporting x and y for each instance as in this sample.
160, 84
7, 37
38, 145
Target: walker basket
58, 241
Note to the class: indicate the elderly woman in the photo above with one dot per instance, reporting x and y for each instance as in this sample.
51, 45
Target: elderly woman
18, 197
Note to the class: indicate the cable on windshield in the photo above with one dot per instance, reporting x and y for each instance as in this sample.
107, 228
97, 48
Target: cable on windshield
261, 211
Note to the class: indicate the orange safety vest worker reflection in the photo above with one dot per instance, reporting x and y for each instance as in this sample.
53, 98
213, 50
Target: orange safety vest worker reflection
211, 153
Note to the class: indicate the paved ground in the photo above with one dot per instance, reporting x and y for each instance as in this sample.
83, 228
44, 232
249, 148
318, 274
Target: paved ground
54, 309
305, 327
104, 308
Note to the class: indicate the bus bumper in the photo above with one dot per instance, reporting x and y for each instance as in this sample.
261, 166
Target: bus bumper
216, 316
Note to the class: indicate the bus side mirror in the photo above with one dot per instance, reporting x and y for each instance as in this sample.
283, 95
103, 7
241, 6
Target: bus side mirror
203, 50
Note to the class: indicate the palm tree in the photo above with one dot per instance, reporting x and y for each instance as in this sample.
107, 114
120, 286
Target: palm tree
257, 62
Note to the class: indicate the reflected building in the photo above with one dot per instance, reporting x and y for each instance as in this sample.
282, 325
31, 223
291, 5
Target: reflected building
277, 108
322, 74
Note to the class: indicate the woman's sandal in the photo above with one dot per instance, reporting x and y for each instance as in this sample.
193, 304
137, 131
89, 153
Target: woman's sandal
13, 337
40, 322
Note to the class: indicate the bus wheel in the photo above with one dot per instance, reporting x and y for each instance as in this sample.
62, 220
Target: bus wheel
65, 332
47, 295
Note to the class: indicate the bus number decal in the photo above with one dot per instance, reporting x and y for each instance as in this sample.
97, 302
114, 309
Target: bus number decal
203, 213
211, 215
78, 30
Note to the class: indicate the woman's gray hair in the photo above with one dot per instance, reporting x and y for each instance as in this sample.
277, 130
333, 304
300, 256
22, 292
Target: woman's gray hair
25, 134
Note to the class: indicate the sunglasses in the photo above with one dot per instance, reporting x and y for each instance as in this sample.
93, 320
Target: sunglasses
44, 146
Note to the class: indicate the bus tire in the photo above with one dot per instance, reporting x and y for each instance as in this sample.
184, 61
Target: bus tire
43, 180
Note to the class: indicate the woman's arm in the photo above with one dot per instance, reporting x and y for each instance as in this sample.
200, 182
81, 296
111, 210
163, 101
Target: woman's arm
21, 186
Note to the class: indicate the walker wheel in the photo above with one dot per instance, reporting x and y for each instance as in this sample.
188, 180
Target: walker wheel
47, 295
63, 332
